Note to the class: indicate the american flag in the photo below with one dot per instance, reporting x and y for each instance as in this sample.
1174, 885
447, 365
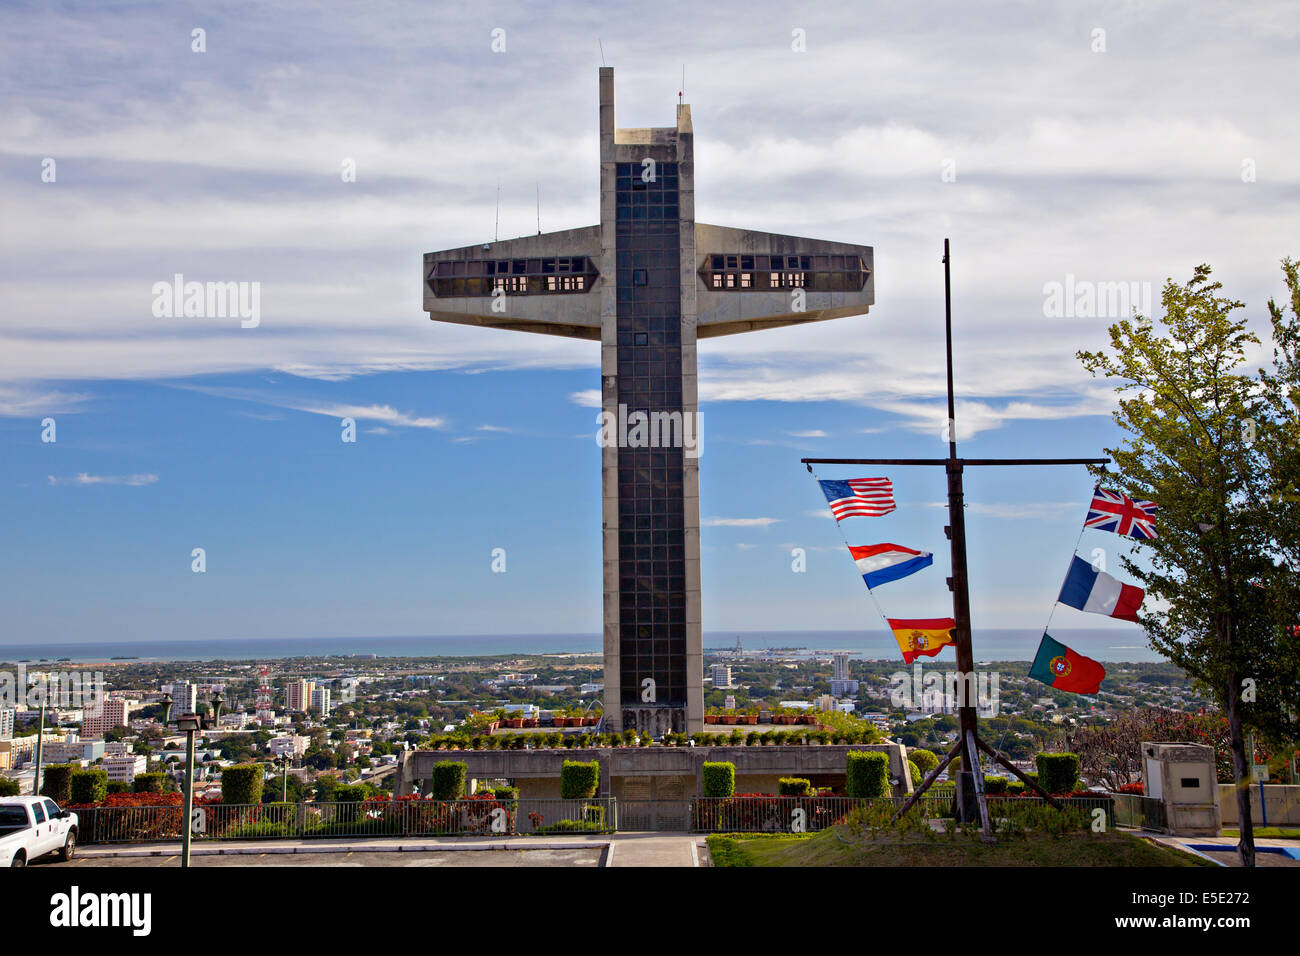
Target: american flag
859, 497
1116, 511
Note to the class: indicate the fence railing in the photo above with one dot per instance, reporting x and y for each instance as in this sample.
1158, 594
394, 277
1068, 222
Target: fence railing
513, 817
1141, 812
369, 818
760, 813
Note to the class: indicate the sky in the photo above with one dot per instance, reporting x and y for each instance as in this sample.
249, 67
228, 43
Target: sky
1068, 143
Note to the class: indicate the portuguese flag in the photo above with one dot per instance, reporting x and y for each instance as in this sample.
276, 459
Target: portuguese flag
921, 637
1065, 669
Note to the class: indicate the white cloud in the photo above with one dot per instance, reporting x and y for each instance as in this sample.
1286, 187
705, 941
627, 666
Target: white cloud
812, 433
134, 481
385, 414
739, 522
1018, 510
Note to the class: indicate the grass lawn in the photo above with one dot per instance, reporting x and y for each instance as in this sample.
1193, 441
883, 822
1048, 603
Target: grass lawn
827, 849
1282, 833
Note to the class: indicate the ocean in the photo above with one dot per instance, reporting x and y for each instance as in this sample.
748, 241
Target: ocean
992, 645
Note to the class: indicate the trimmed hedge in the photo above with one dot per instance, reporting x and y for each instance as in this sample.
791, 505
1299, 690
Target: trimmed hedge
867, 773
353, 793
242, 784
794, 787
89, 786
8, 787
57, 782
579, 779
149, 782
1058, 773
719, 778
449, 779
996, 785
925, 760
915, 771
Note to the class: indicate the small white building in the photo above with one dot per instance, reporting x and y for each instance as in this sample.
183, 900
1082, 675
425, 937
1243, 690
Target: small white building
125, 768
294, 744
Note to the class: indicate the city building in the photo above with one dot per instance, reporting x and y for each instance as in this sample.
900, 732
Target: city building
6, 723
295, 744
303, 695
125, 767
113, 712
71, 750
184, 695
646, 282
720, 675
842, 685
320, 699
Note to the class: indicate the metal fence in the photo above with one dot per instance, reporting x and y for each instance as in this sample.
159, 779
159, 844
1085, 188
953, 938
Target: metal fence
768, 814
1141, 812
513, 817
370, 818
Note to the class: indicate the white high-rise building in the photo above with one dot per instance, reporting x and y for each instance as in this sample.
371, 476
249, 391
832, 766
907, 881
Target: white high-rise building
6, 723
720, 675
840, 666
320, 699
184, 695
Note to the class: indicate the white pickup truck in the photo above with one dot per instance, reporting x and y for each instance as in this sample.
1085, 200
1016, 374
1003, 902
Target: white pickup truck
34, 826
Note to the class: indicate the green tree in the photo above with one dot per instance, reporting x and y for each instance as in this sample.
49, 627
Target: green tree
1196, 422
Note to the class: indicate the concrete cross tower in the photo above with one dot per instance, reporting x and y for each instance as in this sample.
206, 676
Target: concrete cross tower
647, 282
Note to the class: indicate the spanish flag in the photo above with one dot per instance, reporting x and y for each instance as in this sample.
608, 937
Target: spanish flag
922, 637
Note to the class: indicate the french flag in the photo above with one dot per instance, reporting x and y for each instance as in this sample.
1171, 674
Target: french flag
1099, 593
882, 563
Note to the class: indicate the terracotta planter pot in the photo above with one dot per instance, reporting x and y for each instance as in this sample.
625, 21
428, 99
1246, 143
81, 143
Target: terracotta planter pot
710, 718
728, 719
751, 718
807, 719
590, 721
530, 721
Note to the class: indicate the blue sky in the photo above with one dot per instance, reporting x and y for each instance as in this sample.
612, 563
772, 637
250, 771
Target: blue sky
1115, 166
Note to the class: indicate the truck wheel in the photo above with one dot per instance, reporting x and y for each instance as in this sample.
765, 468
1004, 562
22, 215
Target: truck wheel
18, 860
69, 848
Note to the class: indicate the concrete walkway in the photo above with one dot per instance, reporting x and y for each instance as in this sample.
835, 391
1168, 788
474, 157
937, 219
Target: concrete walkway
655, 849
620, 849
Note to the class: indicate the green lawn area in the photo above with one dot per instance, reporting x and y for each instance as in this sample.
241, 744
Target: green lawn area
827, 849
1282, 833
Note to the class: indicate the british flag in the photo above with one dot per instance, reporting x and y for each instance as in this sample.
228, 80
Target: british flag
1116, 511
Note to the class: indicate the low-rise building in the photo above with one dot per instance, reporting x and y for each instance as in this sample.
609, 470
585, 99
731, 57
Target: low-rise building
125, 768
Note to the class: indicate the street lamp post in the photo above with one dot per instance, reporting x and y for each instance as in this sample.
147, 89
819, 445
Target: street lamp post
190, 724
40, 740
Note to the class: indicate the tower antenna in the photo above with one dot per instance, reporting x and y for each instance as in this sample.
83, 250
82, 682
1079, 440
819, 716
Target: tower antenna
602, 51
683, 89
496, 226
539, 209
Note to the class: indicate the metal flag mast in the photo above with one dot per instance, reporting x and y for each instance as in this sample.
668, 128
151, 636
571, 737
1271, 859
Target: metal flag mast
971, 802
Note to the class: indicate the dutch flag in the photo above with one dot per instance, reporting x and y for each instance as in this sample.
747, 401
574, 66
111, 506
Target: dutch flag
882, 563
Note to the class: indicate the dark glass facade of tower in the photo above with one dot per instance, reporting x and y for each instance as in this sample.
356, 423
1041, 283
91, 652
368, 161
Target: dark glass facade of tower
651, 546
